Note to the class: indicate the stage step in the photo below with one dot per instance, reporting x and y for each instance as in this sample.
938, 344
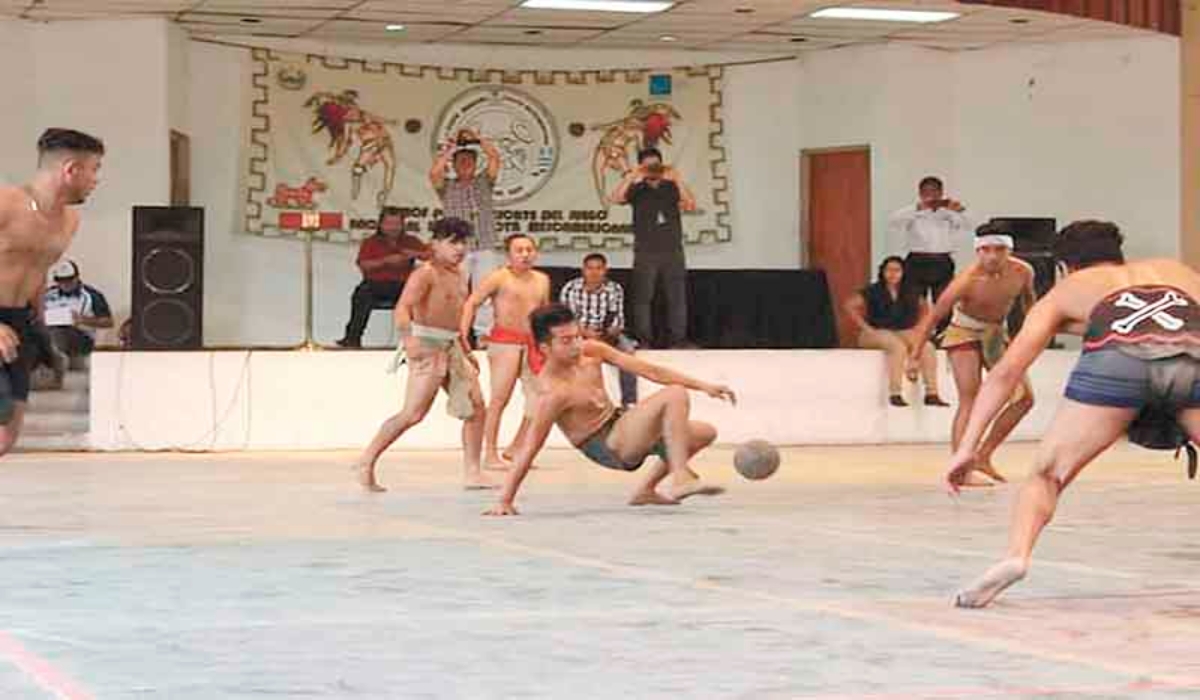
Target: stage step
58, 419
53, 442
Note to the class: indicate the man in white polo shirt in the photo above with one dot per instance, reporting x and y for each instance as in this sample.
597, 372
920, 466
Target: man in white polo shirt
73, 312
930, 229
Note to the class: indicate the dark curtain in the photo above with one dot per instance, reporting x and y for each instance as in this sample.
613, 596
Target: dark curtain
744, 308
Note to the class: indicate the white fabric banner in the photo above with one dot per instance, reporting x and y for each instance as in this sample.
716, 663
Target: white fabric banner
332, 140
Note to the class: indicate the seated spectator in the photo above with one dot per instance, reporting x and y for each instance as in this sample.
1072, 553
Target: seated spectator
887, 313
599, 305
73, 311
386, 260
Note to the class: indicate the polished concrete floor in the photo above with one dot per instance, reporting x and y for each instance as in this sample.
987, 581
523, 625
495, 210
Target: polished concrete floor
270, 576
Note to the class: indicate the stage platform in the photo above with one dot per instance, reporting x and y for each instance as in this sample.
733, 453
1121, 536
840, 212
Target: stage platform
335, 399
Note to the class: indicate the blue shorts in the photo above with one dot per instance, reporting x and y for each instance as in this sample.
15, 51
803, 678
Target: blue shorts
1109, 377
596, 448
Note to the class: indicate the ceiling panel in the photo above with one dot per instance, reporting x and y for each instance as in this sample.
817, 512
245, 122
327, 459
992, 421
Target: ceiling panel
711, 24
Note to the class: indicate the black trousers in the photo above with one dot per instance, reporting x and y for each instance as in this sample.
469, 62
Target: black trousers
654, 273
929, 273
367, 297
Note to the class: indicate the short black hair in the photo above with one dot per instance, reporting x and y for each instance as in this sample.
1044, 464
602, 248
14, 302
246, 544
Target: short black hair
994, 228
55, 140
545, 319
648, 153
931, 181
512, 238
595, 256
465, 151
889, 259
385, 212
451, 228
1089, 242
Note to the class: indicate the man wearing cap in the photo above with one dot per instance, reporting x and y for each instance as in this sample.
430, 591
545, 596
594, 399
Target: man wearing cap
978, 301
73, 312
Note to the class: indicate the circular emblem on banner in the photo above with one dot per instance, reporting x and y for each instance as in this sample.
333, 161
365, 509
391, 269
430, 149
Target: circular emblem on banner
520, 126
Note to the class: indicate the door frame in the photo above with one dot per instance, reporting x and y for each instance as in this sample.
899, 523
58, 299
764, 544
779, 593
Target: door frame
805, 232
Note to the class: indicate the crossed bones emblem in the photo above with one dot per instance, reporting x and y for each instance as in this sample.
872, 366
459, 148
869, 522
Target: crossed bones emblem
1142, 310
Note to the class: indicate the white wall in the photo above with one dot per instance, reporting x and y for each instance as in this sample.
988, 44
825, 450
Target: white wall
274, 400
18, 131
109, 79
1073, 131
891, 97
1086, 129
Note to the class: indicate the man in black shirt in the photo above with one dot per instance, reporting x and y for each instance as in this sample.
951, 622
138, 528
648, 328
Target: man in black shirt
658, 196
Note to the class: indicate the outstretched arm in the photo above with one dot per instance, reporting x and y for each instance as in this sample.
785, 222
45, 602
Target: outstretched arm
655, 373
494, 160
543, 420
945, 303
482, 293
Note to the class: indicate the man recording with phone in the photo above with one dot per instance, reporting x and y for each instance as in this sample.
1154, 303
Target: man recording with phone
468, 196
930, 229
658, 195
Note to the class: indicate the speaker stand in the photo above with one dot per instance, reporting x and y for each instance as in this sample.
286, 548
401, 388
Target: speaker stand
309, 344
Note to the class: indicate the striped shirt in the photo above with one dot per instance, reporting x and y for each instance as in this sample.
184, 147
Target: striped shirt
600, 310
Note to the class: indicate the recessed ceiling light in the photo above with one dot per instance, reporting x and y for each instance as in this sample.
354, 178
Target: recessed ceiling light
395, 27
667, 37
643, 6
880, 15
251, 20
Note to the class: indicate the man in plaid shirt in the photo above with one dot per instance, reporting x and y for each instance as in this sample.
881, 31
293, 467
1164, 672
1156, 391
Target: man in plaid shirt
599, 305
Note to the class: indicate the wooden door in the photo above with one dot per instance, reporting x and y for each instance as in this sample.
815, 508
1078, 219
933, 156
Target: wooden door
837, 199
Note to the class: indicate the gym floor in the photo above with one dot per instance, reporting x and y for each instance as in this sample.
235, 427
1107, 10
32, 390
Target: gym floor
270, 575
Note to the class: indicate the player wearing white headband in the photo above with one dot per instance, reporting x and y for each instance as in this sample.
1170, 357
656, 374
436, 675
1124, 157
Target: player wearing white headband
978, 301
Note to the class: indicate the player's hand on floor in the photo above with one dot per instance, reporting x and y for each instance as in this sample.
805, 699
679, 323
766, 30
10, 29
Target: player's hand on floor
961, 464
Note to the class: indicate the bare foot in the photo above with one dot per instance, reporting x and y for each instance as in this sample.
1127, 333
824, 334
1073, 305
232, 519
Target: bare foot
986, 468
992, 583
478, 482
694, 487
496, 463
365, 474
651, 498
973, 480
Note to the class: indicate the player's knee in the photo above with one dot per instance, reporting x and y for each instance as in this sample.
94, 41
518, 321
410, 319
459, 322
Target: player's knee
676, 395
703, 434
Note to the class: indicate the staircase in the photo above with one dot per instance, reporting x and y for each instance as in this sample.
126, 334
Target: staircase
56, 420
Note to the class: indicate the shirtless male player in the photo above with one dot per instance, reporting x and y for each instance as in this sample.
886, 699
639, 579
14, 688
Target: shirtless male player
426, 318
979, 299
36, 226
1140, 323
572, 395
515, 290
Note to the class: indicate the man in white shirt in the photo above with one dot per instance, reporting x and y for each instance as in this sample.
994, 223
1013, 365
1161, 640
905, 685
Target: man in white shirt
930, 229
73, 312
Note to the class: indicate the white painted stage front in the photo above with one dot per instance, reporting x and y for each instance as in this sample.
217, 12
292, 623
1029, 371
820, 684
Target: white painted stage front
298, 400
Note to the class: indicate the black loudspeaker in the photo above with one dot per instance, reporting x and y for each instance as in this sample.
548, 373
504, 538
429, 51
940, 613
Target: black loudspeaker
168, 278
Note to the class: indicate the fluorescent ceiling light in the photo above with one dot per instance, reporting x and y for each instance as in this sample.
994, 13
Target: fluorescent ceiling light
878, 15
599, 5
395, 27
